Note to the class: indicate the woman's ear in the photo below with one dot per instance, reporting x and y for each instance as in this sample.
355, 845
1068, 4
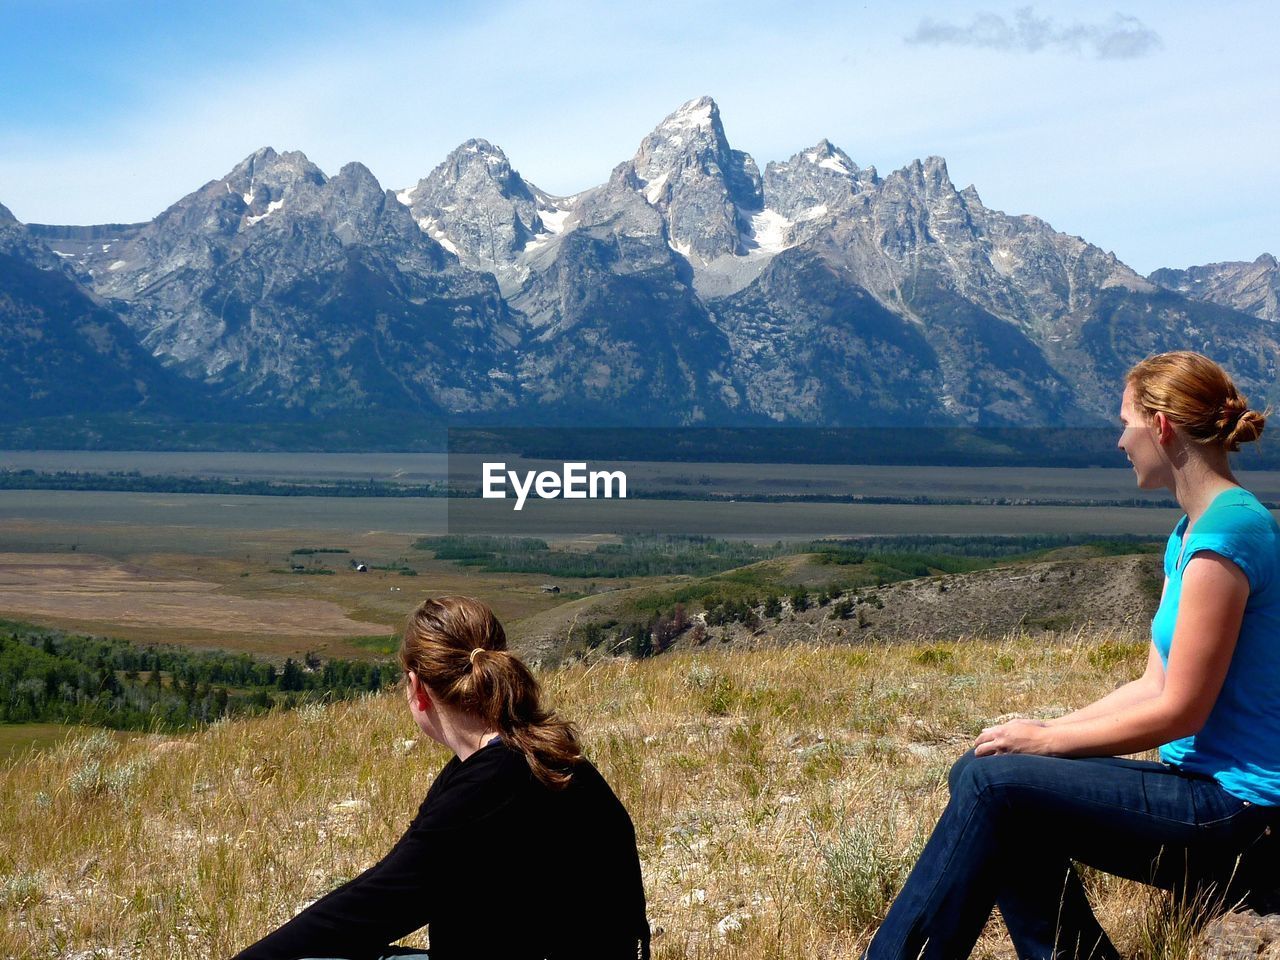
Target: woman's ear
418, 695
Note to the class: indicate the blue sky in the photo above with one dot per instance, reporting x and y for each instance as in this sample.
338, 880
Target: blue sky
1147, 128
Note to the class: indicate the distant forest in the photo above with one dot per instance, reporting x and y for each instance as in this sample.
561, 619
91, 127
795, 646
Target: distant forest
56, 677
135, 482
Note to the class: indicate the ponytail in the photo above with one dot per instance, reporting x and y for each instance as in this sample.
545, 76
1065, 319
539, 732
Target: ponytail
458, 648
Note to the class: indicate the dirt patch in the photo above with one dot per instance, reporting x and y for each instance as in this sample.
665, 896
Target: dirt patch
96, 589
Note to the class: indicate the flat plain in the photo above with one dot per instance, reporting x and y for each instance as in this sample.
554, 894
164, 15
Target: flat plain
217, 570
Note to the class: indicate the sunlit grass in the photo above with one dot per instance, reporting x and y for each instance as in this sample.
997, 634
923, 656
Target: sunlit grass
779, 798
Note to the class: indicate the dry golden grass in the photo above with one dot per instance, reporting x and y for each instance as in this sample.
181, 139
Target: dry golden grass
778, 796
242, 601
237, 563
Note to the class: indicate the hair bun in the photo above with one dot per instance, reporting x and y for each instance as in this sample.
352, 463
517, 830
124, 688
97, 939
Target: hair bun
1239, 424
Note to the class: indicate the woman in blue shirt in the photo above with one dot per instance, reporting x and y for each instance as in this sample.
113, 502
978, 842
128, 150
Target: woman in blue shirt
1034, 797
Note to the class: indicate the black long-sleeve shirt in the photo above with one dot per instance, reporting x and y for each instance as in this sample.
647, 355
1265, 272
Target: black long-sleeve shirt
498, 865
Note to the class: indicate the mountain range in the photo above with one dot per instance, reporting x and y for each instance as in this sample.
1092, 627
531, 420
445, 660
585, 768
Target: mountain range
689, 288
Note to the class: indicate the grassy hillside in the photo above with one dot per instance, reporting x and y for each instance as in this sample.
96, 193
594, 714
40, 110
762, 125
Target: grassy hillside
809, 597
779, 796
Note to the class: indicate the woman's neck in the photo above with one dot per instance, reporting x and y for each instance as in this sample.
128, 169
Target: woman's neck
1199, 481
464, 734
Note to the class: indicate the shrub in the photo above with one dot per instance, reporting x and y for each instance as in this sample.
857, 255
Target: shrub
799, 599
932, 657
862, 872
1110, 654
20, 889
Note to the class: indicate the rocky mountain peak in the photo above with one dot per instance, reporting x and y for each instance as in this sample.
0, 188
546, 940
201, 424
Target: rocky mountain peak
970, 196
474, 169
478, 207
701, 113
827, 156
815, 183
264, 179
929, 174
263, 156
706, 190
356, 176
353, 203
6, 216
935, 172
692, 140
925, 182
1251, 287
266, 165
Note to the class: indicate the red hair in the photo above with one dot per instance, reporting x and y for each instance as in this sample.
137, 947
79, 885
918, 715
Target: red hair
1199, 396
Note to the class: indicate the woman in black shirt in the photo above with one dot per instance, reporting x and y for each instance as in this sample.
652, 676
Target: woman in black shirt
520, 849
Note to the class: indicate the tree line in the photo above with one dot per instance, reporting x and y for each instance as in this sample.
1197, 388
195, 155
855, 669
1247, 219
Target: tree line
134, 482
56, 677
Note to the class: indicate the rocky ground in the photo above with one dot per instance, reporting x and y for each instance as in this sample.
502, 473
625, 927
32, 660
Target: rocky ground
1051, 598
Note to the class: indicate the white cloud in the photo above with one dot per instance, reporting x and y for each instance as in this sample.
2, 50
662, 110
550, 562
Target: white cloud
1121, 37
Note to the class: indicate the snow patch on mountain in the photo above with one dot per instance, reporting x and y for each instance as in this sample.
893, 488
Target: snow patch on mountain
272, 207
432, 229
653, 191
770, 232
828, 163
553, 220
693, 115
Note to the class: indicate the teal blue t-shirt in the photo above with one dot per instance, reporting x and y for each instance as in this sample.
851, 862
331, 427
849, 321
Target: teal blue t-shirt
1239, 745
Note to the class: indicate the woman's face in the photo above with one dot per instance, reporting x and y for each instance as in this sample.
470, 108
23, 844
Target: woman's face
1140, 442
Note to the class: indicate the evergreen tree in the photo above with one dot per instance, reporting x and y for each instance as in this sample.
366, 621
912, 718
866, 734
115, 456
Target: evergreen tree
291, 677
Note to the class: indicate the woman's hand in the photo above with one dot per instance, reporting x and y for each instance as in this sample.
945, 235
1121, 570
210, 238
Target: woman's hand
1016, 736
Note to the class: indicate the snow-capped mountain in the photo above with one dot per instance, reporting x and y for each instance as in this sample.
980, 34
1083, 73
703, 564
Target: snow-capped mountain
287, 288
686, 288
478, 208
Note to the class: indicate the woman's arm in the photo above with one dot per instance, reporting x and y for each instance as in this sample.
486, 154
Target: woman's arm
360, 918
1147, 686
1214, 593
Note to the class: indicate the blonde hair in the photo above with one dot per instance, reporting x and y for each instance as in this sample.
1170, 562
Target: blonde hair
1196, 394
457, 647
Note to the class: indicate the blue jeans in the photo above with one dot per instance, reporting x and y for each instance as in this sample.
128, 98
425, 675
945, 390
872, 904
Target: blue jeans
1015, 824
